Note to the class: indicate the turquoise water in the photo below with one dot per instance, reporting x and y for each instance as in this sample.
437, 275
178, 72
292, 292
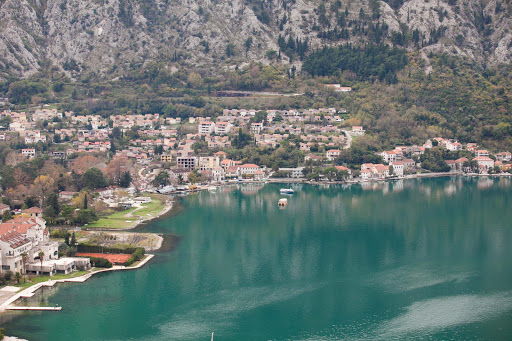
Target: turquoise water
419, 259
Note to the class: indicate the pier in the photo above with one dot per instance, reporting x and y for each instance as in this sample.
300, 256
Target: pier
34, 308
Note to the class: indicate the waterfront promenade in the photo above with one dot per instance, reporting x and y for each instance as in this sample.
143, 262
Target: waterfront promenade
29, 292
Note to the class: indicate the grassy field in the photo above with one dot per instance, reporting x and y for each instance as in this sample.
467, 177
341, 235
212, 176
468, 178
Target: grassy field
39, 279
130, 217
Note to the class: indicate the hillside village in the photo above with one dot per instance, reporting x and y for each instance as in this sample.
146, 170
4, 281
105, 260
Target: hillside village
153, 142
77, 168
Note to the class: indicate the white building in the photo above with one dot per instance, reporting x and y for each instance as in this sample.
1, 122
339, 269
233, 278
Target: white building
333, 154
256, 128
504, 156
218, 174
398, 168
453, 146
484, 162
12, 246
297, 172
482, 153
29, 152
391, 156
357, 131
248, 169
206, 127
222, 128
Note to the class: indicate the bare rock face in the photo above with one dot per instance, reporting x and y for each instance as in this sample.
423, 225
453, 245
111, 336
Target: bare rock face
107, 37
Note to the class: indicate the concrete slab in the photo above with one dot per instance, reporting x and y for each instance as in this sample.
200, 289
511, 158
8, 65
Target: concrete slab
10, 289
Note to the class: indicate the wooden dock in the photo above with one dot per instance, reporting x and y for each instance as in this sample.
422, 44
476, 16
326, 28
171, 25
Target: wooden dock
34, 308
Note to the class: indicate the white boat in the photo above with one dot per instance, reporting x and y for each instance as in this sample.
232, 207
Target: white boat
283, 202
286, 191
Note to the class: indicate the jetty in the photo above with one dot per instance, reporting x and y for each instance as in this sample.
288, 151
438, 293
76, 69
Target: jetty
34, 308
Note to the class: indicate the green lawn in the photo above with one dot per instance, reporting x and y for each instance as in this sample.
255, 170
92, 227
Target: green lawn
40, 279
128, 218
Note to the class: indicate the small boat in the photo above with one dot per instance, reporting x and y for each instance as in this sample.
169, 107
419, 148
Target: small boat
286, 191
283, 202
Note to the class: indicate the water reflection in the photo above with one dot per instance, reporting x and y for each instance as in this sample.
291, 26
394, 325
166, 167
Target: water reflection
361, 261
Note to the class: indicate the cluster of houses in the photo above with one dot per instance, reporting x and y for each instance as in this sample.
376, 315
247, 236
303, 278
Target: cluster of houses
398, 164
25, 239
321, 136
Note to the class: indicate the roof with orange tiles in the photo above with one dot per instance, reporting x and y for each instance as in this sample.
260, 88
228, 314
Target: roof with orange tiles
342, 168
14, 239
33, 210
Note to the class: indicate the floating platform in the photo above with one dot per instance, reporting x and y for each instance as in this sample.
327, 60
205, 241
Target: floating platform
35, 308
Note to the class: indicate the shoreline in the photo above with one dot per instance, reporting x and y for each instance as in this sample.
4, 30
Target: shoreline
359, 181
166, 209
50, 283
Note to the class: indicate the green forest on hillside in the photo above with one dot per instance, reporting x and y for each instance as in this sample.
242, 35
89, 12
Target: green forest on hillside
393, 96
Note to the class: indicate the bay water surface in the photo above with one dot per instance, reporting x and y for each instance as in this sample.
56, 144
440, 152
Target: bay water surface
423, 259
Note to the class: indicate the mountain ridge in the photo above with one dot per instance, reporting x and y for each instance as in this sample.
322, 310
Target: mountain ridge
108, 37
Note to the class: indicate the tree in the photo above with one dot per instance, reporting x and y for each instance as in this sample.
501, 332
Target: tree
42, 186
194, 80
5, 122
52, 209
81, 200
93, 178
83, 163
116, 133
41, 258
391, 170
271, 54
194, 177
7, 215
24, 257
73, 239
162, 179
18, 277
126, 180
247, 44
116, 167
230, 50
66, 239
113, 148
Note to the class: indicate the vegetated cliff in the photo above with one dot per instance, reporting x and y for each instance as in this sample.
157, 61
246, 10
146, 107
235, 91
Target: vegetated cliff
108, 37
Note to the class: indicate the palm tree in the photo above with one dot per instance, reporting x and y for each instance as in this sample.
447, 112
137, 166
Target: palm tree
24, 257
18, 277
41, 257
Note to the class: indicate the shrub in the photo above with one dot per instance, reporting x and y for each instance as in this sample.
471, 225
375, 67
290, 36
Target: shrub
136, 256
101, 262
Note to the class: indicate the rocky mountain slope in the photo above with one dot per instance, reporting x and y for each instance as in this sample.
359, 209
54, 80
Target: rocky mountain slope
108, 37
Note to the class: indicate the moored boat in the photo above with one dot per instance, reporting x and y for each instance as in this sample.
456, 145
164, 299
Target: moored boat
286, 191
282, 202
